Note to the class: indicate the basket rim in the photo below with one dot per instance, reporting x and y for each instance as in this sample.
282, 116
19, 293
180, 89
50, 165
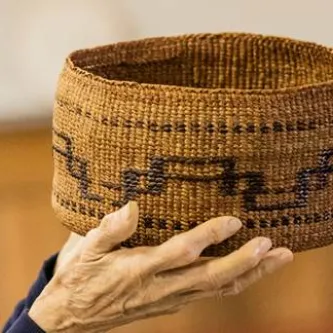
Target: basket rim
86, 75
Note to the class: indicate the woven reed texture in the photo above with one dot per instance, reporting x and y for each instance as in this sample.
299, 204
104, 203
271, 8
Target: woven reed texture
197, 126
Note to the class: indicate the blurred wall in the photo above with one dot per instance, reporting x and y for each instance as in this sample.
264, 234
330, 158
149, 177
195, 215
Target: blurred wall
35, 38
37, 35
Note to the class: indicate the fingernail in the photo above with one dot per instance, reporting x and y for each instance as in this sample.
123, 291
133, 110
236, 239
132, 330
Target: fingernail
126, 210
131, 205
234, 224
264, 245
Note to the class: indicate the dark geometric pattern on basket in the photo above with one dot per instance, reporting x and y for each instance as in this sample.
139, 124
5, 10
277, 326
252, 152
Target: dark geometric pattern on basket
163, 224
306, 180
179, 127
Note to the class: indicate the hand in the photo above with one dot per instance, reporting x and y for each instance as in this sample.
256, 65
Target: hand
99, 286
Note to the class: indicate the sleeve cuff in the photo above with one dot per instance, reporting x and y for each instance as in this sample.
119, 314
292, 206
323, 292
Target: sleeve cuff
24, 324
43, 279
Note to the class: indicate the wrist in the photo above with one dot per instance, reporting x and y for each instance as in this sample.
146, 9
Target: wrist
49, 311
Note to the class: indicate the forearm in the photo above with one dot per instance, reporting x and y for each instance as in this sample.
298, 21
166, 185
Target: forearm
19, 320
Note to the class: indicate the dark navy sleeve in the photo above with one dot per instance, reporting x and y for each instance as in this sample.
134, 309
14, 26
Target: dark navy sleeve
20, 322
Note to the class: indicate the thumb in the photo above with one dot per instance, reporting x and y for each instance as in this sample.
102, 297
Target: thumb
113, 230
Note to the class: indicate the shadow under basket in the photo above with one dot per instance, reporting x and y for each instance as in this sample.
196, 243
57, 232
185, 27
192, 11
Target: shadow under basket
198, 126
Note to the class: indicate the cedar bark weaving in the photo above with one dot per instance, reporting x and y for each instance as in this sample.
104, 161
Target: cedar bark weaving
196, 126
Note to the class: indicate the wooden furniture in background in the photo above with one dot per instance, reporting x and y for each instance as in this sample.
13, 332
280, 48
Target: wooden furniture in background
298, 299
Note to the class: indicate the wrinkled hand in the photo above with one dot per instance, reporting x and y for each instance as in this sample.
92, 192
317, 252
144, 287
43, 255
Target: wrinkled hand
98, 285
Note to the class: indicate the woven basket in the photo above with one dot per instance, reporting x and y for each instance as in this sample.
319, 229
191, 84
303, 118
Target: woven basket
195, 127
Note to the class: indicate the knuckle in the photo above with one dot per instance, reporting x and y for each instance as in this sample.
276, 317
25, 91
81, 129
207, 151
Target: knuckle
267, 267
235, 289
92, 237
92, 233
214, 234
138, 268
187, 252
213, 281
257, 275
252, 259
245, 260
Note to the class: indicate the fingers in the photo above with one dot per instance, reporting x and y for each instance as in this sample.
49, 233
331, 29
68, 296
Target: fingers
70, 251
114, 229
214, 274
224, 270
192, 283
274, 260
271, 262
185, 248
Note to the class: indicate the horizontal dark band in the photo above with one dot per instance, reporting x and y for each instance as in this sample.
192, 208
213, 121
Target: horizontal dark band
163, 224
221, 127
